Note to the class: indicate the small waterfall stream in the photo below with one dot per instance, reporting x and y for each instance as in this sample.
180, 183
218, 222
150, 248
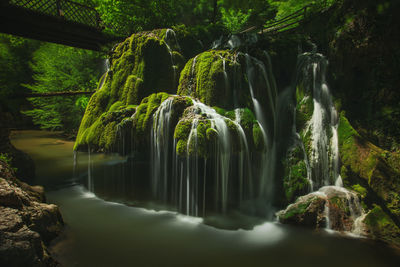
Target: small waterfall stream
324, 167
160, 149
324, 158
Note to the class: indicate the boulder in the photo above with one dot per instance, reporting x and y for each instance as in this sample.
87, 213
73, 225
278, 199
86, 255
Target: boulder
331, 207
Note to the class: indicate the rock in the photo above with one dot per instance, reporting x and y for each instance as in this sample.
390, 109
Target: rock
331, 207
26, 223
307, 211
26, 166
144, 64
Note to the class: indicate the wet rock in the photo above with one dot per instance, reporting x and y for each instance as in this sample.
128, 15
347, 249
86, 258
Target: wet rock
26, 223
307, 211
331, 207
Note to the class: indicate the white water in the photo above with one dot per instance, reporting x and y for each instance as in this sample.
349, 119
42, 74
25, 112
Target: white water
160, 149
172, 42
268, 154
234, 42
222, 151
324, 158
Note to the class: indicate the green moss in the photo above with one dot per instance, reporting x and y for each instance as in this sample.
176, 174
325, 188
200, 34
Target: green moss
181, 147
304, 110
382, 226
117, 105
258, 137
360, 189
212, 134
140, 66
297, 209
295, 182
182, 129
145, 111
205, 79
247, 119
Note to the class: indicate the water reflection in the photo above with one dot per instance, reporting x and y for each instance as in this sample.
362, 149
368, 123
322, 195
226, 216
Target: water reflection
107, 233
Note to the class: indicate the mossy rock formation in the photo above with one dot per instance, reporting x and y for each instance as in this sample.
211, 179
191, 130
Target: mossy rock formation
143, 64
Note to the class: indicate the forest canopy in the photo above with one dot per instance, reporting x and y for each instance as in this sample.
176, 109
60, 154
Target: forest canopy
31, 66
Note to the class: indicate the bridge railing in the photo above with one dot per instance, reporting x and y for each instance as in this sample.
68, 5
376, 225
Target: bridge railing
282, 24
65, 9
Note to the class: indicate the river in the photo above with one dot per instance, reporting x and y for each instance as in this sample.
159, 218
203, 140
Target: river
100, 231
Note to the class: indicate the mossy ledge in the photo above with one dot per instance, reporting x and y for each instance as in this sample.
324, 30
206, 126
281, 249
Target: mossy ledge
375, 174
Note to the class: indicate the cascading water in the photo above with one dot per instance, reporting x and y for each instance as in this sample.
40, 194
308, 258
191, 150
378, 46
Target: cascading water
160, 149
324, 157
323, 161
267, 165
171, 41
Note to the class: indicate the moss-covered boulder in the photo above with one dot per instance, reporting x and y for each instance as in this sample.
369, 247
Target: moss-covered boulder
331, 207
307, 211
206, 77
143, 64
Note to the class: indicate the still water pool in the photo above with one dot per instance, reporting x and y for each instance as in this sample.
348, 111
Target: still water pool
102, 232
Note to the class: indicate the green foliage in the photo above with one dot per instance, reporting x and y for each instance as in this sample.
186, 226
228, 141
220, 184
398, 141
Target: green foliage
236, 15
15, 54
7, 159
287, 7
59, 68
382, 226
234, 20
129, 16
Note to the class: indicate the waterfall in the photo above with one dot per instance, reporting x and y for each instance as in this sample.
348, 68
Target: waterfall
222, 151
324, 158
187, 177
172, 42
268, 156
160, 149
244, 161
234, 42
323, 162
90, 185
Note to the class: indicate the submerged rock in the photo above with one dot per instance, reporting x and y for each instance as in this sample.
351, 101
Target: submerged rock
27, 224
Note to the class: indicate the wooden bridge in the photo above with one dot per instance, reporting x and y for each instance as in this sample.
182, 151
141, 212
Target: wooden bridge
57, 21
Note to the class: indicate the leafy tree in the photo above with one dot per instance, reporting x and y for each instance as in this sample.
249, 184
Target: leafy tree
15, 54
59, 68
238, 14
286, 7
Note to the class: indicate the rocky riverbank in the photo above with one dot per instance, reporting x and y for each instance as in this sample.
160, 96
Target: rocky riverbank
27, 223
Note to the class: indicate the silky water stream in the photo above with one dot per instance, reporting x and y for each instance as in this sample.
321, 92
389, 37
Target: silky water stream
101, 232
